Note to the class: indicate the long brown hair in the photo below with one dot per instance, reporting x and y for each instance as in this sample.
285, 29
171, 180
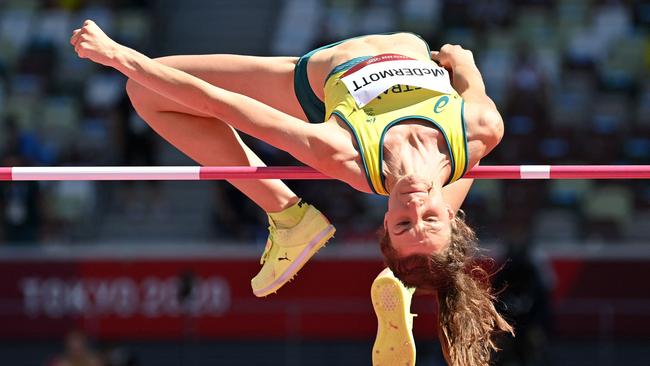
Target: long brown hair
467, 316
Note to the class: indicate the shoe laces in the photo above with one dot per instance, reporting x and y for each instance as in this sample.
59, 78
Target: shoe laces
269, 244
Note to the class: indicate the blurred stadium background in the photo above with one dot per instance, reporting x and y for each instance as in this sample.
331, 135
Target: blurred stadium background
158, 273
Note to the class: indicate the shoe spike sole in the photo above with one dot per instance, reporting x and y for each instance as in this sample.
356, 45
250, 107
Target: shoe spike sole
394, 345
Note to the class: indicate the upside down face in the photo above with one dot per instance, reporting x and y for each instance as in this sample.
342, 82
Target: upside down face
418, 220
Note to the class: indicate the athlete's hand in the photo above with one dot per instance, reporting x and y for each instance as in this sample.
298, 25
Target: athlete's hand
92, 43
450, 56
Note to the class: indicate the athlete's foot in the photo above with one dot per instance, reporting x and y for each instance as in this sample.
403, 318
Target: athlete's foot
287, 250
394, 345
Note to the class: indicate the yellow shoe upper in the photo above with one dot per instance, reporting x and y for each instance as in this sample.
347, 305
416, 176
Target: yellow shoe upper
287, 250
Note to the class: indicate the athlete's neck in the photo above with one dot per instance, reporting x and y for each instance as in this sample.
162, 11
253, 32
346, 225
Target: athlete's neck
415, 149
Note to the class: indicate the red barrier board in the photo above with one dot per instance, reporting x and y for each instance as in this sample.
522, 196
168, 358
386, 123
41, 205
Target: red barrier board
139, 299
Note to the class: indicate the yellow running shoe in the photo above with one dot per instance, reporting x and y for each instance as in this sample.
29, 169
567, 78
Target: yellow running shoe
394, 345
287, 250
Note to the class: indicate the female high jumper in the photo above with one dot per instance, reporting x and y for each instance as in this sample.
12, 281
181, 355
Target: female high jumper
385, 119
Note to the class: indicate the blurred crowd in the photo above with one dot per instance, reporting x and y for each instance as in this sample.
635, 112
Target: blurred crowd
58, 110
571, 78
78, 351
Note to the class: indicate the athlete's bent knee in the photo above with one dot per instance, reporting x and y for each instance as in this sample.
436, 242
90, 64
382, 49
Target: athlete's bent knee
133, 90
138, 96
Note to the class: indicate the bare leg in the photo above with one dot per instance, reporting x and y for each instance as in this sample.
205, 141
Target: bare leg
210, 141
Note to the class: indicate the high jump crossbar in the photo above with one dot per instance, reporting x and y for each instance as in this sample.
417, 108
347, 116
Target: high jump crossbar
305, 173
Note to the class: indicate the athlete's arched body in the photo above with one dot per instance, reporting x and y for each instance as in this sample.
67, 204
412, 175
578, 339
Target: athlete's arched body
370, 127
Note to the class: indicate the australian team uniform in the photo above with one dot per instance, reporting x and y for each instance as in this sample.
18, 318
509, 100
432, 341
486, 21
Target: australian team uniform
373, 93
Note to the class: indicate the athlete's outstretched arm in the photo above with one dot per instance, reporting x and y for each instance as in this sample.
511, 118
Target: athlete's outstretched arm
248, 115
468, 82
455, 193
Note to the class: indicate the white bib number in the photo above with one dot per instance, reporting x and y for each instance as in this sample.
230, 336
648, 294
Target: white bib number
374, 76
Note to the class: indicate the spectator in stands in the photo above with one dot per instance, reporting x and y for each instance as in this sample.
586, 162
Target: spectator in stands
21, 201
527, 91
23, 143
77, 352
525, 301
234, 217
119, 356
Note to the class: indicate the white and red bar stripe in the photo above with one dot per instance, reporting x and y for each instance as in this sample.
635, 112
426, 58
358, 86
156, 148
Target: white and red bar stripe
561, 172
101, 173
298, 172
